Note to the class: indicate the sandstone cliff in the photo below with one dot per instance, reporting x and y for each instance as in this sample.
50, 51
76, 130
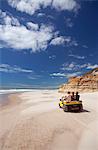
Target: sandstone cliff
86, 82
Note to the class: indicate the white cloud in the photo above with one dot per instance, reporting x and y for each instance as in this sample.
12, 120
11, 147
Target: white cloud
84, 65
8, 19
52, 56
92, 66
32, 26
40, 14
77, 56
13, 69
75, 67
60, 40
67, 75
63, 40
31, 6
57, 41
84, 46
89, 66
15, 22
73, 43
2, 14
21, 37
34, 76
64, 4
1, 45
31, 36
67, 39
68, 66
57, 74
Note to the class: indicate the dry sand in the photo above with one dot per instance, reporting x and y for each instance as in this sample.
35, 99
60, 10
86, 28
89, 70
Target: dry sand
33, 121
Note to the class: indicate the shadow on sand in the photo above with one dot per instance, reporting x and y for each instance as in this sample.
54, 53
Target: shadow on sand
83, 111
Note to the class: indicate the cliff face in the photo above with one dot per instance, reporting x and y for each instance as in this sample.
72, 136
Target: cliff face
86, 82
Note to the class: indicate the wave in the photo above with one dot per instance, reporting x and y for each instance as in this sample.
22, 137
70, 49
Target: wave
9, 91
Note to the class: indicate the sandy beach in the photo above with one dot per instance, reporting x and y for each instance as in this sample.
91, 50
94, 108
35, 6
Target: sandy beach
33, 121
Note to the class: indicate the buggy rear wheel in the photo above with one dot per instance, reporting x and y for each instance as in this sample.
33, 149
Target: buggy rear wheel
81, 107
65, 108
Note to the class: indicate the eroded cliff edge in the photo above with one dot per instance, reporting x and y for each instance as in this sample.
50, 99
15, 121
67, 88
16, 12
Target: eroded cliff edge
86, 82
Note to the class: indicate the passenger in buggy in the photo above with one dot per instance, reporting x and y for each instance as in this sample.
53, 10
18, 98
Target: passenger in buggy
70, 97
75, 97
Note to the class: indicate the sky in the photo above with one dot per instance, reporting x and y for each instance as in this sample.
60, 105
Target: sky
45, 42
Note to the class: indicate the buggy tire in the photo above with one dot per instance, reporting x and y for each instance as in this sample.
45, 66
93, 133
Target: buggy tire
81, 107
60, 106
65, 108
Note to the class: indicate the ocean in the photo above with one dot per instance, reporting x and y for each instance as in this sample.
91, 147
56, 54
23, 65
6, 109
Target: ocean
11, 91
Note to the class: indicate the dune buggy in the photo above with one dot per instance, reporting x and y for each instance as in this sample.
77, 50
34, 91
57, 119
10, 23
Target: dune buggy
71, 106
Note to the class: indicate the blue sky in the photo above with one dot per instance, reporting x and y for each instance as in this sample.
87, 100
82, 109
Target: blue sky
44, 42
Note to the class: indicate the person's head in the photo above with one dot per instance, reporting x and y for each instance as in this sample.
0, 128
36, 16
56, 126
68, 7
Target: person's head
68, 92
72, 93
76, 93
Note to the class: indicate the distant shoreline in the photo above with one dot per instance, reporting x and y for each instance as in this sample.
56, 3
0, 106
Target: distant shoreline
12, 91
36, 88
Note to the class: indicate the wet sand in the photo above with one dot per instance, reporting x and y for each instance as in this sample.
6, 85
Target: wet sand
33, 121
7, 100
4, 99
